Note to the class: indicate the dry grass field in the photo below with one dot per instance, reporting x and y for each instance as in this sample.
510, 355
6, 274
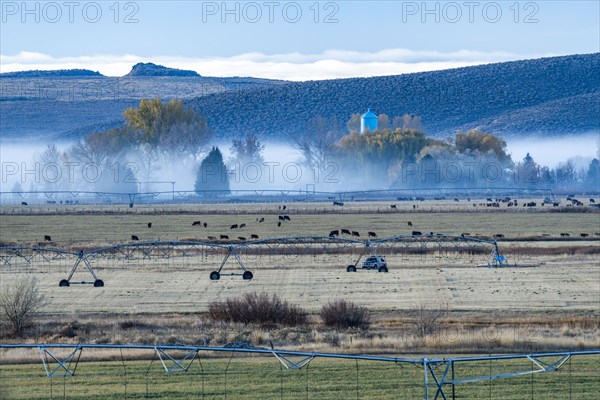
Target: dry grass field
554, 291
548, 299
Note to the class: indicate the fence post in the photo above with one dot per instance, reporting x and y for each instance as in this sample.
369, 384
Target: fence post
426, 378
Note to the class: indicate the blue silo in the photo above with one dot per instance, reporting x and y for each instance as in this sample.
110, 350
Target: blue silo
368, 121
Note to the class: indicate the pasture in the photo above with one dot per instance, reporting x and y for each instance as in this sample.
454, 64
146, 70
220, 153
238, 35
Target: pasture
548, 302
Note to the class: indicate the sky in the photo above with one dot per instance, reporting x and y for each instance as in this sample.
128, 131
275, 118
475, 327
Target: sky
292, 40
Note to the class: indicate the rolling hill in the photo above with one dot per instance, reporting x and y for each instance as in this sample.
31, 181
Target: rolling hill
549, 96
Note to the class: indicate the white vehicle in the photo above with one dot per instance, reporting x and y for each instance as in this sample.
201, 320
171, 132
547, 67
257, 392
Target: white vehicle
374, 262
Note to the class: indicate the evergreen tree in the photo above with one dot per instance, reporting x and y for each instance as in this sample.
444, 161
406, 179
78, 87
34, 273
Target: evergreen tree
593, 175
212, 179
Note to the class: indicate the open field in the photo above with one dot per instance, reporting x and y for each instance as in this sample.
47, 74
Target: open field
549, 302
243, 377
107, 225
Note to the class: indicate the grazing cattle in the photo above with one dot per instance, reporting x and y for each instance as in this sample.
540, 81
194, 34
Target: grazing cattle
489, 199
555, 204
149, 224
354, 233
242, 226
334, 233
205, 225
253, 236
286, 218
455, 199
465, 234
346, 232
23, 203
241, 238
372, 234
592, 201
47, 238
281, 218
409, 223
338, 203
223, 237
393, 206
284, 207
195, 223
279, 223
211, 238
134, 237
416, 233
584, 234
499, 236
234, 226
261, 220
564, 235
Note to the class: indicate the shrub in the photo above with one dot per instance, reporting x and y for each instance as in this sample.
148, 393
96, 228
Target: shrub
425, 320
258, 309
343, 314
19, 303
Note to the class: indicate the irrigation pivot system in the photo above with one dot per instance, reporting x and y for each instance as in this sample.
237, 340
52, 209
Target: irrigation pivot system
441, 376
24, 256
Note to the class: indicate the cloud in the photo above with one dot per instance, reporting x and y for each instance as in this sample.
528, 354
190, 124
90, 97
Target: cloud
329, 64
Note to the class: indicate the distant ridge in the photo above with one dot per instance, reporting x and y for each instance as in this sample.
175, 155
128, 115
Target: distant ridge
59, 73
150, 69
548, 96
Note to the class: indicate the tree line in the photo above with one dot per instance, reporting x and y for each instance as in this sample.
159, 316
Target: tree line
398, 154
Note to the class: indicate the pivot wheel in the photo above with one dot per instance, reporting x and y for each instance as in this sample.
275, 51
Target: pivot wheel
215, 276
351, 268
383, 269
98, 283
247, 275
63, 283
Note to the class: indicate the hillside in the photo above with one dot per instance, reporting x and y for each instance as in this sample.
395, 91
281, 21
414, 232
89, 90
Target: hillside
59, 73
150, 69
549, 96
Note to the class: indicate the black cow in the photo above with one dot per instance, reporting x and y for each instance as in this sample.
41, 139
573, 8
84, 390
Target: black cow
346, 232
286, 218
241, 238
372, 234
195, 223
564, 235
338, 203
23, 203
416, 233
409, 223
335, 232
211, 238
47, 238
354, 233
253, 236
393, 206
281, 218
234, 226
149, 224
224, 237
205, 225
242, 226
134, 237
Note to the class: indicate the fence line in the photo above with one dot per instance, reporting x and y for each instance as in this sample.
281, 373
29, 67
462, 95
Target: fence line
223, 372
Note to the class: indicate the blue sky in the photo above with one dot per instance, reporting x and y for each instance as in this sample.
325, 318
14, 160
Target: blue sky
291, 40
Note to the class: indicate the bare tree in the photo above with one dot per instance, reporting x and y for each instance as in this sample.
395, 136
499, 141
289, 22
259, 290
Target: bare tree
19, 303
426, 320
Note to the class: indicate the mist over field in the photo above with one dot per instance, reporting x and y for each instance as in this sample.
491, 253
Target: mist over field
282, 167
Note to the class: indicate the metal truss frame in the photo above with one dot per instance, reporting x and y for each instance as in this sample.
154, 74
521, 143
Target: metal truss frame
304, 245
441, 371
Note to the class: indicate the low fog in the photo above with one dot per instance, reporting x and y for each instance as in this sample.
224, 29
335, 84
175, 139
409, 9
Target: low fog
282, 167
